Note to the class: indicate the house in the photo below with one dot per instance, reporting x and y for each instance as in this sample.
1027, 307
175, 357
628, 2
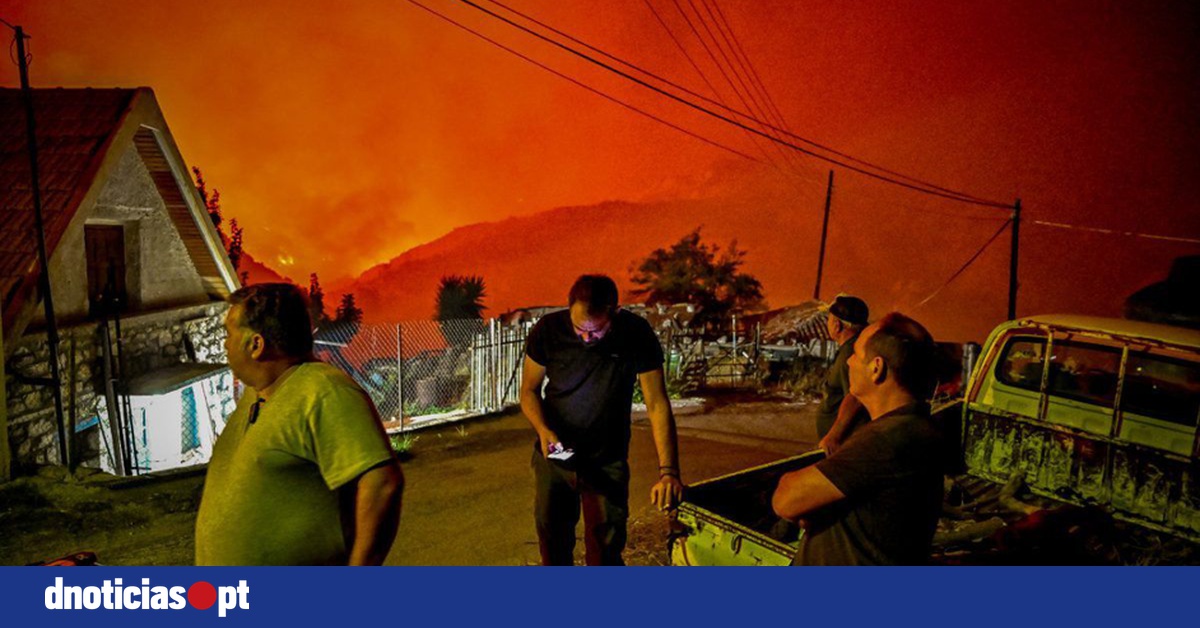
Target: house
138, 276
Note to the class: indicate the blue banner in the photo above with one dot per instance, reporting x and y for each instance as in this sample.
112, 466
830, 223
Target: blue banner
456, 596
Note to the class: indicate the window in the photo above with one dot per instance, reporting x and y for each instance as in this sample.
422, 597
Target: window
1162, 388
190, 437
1084, 372
1021, 363
105, 249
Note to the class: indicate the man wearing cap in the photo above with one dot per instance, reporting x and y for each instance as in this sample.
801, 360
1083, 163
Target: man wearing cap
840, 413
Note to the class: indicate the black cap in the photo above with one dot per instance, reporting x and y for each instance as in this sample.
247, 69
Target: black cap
848, 309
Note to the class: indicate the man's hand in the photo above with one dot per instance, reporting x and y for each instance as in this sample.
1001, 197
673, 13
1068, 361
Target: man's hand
532, 376
377, 496
833, 441
667, 493
546, 437
669, 490
830, 443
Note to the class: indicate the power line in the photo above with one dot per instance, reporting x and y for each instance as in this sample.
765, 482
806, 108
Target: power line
753, 72
851, 202
964, 266
740, 71
585, 86
722, 105
717, 103
721, 69
633, 66
716, 93
955, 196
1130, 234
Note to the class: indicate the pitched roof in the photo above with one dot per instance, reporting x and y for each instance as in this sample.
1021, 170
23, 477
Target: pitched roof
76, 132
73, 128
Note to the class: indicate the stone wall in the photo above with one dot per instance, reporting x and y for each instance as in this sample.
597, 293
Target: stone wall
149, 342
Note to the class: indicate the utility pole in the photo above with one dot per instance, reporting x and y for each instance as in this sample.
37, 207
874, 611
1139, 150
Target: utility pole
824, 233
44, 284
1012, 261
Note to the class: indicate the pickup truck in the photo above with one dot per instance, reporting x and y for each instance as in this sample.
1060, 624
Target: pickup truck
1087, 411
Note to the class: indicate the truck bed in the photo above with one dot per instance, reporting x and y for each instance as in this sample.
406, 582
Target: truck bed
728, 520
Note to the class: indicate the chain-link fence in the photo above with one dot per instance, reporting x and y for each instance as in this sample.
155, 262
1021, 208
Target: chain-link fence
423, 370
417, 370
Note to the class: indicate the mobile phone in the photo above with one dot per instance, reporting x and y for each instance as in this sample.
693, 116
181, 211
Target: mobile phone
559, 452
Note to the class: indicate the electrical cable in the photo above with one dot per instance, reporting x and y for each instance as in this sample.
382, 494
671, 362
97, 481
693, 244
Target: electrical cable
1131, 234
584, 85
966, 265
955, 196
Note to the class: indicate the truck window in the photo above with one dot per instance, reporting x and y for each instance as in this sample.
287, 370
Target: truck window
1021, 363
1162, 388
1084, 372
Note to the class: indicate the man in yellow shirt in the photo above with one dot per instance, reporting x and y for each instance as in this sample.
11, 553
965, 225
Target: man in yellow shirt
303, 473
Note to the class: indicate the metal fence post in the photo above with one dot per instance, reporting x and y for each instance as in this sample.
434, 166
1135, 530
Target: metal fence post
495, 364
734, 330
478, 368
400, 375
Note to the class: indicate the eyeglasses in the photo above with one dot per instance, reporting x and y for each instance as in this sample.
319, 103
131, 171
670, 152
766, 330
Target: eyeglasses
591, 335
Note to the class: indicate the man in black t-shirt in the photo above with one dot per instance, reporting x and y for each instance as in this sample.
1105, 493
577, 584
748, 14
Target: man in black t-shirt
876, 499
589, 357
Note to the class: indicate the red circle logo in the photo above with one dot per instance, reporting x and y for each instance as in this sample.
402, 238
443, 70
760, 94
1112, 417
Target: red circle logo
202, 595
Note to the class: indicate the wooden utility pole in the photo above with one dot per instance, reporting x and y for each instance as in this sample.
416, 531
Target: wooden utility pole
824, 234
1012, 261
43, 265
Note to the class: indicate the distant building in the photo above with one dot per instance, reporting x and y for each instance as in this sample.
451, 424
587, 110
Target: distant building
131, 248
529, 314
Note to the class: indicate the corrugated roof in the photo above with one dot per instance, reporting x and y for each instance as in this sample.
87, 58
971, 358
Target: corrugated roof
74, 126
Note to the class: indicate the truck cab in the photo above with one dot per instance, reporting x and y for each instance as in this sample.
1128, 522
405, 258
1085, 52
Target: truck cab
1093, 411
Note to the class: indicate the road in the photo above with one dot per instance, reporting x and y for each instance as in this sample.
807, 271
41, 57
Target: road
469, 499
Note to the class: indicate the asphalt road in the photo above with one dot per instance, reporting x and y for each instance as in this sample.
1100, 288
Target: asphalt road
469, 499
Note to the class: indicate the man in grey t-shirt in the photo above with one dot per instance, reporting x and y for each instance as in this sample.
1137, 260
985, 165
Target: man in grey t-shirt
876, 500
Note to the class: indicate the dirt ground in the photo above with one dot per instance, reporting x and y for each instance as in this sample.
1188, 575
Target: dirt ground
468, 501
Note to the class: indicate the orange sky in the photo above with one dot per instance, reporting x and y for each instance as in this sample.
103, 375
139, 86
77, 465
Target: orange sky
344, 133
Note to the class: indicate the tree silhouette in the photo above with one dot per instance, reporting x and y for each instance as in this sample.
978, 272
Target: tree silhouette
212, 203
234, 248
460, 297
459, 308
348, 311
691, 271
316, 302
